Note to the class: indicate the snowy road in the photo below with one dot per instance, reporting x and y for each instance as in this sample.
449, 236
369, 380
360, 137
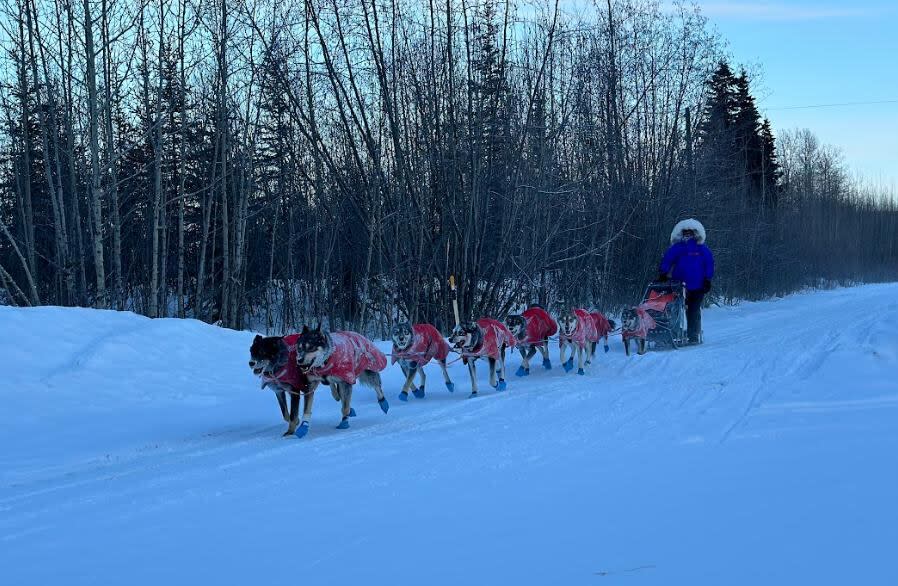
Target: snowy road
141, 450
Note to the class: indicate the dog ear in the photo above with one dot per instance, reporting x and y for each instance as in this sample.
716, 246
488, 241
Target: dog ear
318, 328
305, 329
258, 338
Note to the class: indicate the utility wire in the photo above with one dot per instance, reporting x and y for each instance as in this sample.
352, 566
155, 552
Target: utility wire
832, 105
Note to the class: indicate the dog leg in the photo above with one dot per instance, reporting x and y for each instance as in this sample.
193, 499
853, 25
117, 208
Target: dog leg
500, 386
641, 346
606, 343
544, 352
372, 379
524, 368
492, 363
569, 363
308, 399
419, 393
582, 353
294, 415
409, 372
346, 401
449, 384
627, 346
472, 371
282, 402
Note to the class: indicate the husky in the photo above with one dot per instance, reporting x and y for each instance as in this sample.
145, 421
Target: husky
484, 338
413, 347
577, 331
531, 329
635, 324
339, 360
273, 359
604, 326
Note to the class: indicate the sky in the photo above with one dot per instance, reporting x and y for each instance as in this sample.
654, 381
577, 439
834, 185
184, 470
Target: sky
815, 53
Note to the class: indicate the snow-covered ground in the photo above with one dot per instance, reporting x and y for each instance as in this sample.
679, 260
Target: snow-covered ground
142, 451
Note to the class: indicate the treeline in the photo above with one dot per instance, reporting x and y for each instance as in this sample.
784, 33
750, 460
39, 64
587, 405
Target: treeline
266, 163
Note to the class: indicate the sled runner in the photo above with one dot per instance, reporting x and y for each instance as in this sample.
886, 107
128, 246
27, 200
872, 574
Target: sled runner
666, 304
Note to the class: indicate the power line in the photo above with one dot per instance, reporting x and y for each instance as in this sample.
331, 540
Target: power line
833, 105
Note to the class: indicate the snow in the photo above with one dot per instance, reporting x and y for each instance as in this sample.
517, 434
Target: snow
143, 450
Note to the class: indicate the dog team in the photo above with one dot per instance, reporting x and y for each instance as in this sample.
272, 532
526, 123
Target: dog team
297, 364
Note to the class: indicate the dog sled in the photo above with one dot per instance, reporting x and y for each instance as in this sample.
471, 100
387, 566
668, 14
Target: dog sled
665, 302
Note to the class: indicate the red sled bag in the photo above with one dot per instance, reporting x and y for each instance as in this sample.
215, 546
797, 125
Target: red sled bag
495, 334
427, 344
290, 373
540, 326
351, 355
584, 333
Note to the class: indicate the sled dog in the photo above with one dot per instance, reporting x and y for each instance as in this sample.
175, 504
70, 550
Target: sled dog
531, 330
339, 360
414, 346
577, 331
273, 359
485, 338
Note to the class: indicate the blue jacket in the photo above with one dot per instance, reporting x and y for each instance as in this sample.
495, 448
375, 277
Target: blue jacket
691, 262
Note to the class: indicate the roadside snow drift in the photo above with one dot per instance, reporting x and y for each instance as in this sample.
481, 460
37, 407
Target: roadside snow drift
142, 451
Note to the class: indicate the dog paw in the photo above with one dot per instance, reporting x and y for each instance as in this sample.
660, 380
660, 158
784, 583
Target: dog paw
302, 430
403, 396
344, 424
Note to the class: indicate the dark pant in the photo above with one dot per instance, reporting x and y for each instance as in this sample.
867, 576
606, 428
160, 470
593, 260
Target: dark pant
694, 314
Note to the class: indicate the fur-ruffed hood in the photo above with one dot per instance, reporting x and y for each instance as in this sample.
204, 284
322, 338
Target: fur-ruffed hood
676, 234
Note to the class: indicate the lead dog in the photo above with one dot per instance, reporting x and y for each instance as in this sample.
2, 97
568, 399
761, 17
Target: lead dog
484, 338
273, 359
532, 329
577, 331
413, 347
338, 359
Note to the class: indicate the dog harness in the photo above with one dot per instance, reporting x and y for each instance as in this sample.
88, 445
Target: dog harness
644, 322
583, 333
427, 344
540, 326
495, 334
290, 373
603, 326
351, 355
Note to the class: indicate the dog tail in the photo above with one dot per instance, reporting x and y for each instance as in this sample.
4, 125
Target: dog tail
612, 324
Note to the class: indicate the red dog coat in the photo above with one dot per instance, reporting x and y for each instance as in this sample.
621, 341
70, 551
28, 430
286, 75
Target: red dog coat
645, 323
603, 326
351, 355
427, 344
495, 333
290, 373
583, 333
540, 326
